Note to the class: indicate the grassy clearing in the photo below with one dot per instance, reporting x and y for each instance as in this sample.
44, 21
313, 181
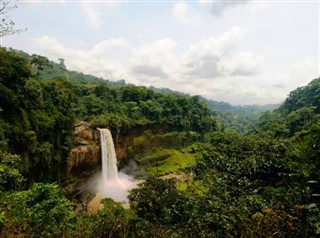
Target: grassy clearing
164, 161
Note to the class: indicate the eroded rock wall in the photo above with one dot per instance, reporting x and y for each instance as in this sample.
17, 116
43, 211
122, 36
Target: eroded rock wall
85, 157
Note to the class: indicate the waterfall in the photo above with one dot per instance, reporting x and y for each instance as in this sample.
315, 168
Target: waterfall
111, 183
108, 156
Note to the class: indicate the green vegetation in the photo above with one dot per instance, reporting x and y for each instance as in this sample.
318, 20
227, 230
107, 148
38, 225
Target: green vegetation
232, 179
160, 154
240, 119
299, 112
165, 161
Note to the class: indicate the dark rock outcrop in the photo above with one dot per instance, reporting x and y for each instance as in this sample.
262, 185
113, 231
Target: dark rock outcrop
85, 157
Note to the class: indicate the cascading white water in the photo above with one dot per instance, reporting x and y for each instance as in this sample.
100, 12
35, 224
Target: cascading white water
112, 184
108, 156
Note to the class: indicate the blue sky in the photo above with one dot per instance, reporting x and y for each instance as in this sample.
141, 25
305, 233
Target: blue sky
241, 52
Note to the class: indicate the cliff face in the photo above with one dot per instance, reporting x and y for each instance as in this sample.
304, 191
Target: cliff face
85, 157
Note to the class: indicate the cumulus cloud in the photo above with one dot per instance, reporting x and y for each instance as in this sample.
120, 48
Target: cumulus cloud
217, 7
52, 46
215, 68
244, 63
185, 14
218, 56
149, 70
215, 46
100, 61
155, 60
111, 46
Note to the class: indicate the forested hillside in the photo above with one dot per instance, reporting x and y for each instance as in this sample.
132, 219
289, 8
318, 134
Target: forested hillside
299, 112
240, 119
202, 177
39, 108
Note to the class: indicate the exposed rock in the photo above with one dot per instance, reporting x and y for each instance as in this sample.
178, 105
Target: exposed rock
79, 194
179, 177
95, 204
84, 131
85, 157
74, 188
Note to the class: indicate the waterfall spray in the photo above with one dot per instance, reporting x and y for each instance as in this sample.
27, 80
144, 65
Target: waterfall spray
112, 184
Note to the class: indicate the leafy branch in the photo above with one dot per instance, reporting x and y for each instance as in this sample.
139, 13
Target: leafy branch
7, 26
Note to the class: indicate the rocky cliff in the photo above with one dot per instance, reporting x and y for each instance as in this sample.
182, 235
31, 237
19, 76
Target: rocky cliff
85, 157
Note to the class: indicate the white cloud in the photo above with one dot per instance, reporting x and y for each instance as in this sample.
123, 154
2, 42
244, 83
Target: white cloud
217, 7
52, 46
92, 14
244, 63
215, 68
97, 12
100, 61
218, 56
109, 46
154, 60
185, 14
212, 67
216, 47
277, 53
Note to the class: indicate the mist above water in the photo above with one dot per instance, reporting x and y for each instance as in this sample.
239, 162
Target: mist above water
117, 188
111, 183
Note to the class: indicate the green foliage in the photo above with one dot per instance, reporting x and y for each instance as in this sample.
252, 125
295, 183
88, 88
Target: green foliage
308, 150
38, 113
240, 119
10, 177
14, 69
111, 221
166, 161
299, 111
33, 114
159, 201
306, 96
273, 222
254, 174
160, 154
38, 64
145, 144
252, 185
41, 211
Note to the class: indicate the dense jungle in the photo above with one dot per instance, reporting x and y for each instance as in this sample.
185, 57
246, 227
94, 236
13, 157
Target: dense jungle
206, 168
